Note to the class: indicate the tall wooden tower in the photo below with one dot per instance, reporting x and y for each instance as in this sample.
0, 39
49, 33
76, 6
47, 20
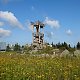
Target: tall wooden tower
37, 34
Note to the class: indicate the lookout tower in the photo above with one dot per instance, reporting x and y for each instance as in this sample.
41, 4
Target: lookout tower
37, 34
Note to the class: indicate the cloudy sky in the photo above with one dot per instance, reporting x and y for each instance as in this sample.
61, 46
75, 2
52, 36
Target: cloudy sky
61, 19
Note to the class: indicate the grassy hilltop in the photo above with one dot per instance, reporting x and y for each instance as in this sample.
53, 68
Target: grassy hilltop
14, 66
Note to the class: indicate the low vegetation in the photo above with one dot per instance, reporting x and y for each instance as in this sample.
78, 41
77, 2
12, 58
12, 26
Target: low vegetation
14, 66
59, 62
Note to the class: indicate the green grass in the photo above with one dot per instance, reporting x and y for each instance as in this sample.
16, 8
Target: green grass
27, 67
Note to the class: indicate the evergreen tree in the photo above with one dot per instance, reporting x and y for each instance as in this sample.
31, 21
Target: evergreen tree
17, 47
8, 48
58, 45
53, 45
69, 46
78, 45
65, 45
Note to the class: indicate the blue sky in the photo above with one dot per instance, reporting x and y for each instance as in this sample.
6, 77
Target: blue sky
62, 19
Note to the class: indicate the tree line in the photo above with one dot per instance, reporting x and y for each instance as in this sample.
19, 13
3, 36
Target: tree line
64, 45
61, 46
15, 47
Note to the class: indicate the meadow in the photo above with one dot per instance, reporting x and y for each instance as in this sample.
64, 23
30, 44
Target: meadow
15, 66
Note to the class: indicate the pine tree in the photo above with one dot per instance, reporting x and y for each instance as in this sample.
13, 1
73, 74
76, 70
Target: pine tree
17, 47
78, 45
8, 48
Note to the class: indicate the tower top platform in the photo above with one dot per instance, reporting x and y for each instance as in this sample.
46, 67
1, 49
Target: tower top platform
38, 24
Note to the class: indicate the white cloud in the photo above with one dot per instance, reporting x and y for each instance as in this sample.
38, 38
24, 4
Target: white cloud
4, 33
49, 34
10, 18
32, 8
8, 1
69, 32
5, 1
28, 24
1, 24
52, 33
52, 23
